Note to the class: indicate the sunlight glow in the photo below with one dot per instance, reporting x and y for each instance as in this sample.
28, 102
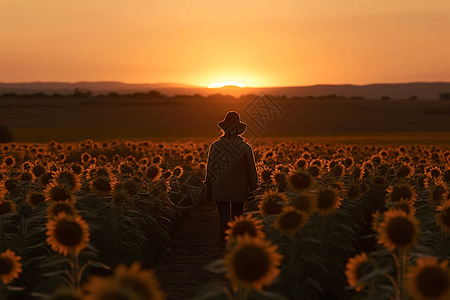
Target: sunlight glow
225, 83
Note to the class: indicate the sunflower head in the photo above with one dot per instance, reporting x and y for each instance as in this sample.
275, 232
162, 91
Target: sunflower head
34, 198
102, 185
290, 220
153, 173
67, 234
398, 230
244, 225
271, 203
354, 192
7, 206
328, 200
405, 170
438, 192
178, 171
58, 192
10, 267
68, 178
428, 279
404, 205
401, 191
252, 263
306, 202
56, 208
443, 216
299, 180
265, 174
356, 268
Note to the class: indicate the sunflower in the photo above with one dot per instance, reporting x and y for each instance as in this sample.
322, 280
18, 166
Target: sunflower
405, 170
278, 176
305, 201
357, 172
58, 192
377, 219
126, 283
443, 216
339, 186
315, 171
244, 225
354, 192
434, 172
102, 185
328, 200
178, 171
405, 205
153, 173
37, 169
9, 161
438, 193
301, 163
67, 234
61, 206
85, 158
399, 191
157, 159
446, 175
290, 220
429, 280
398, 230
379, 181
34, 198
7, 206
271, 203
252, 263
356, 268
95, 171
265, 174
299, 180
67, 177
10, 267
337, 169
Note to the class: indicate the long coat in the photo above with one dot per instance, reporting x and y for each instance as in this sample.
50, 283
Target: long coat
230, 170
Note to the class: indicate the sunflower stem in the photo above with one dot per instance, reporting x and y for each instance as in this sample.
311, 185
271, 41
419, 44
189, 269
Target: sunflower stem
403, 263
2, 290
399, 274
394, 284
76, 282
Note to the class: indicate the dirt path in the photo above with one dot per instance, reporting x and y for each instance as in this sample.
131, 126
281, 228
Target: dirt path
181, 271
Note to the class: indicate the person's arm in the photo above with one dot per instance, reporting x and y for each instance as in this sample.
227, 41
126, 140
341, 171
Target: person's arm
252, 175
207, 182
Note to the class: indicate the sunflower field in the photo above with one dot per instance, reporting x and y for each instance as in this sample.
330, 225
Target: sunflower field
90, 220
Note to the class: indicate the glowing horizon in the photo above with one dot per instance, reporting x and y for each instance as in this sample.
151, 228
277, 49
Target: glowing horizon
225, 83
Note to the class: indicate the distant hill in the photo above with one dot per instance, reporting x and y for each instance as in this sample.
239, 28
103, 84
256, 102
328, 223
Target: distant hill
422, 90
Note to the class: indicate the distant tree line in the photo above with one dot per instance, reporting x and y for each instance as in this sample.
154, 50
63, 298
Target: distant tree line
87, 94
155, 94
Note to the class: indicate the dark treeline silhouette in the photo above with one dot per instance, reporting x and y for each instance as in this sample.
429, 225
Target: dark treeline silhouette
157, 95
86, 94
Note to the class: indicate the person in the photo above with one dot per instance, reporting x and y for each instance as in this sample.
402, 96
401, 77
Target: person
231, 176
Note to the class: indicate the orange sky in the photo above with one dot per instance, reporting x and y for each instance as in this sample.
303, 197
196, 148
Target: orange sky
257, 43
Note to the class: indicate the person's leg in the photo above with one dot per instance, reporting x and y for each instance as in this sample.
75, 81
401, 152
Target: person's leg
237, 209
223, 211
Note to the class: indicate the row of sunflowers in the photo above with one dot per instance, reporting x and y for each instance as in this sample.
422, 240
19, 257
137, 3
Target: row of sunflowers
327, 222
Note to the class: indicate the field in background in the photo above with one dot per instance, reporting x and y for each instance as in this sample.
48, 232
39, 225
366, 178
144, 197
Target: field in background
186, 118
39, 135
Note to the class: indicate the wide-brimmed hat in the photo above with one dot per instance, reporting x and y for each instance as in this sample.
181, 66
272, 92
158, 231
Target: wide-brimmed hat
231, 121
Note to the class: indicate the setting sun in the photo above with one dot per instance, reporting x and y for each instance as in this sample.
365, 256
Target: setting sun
226, 83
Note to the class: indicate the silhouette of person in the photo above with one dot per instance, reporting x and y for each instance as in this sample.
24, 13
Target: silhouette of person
230, 172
